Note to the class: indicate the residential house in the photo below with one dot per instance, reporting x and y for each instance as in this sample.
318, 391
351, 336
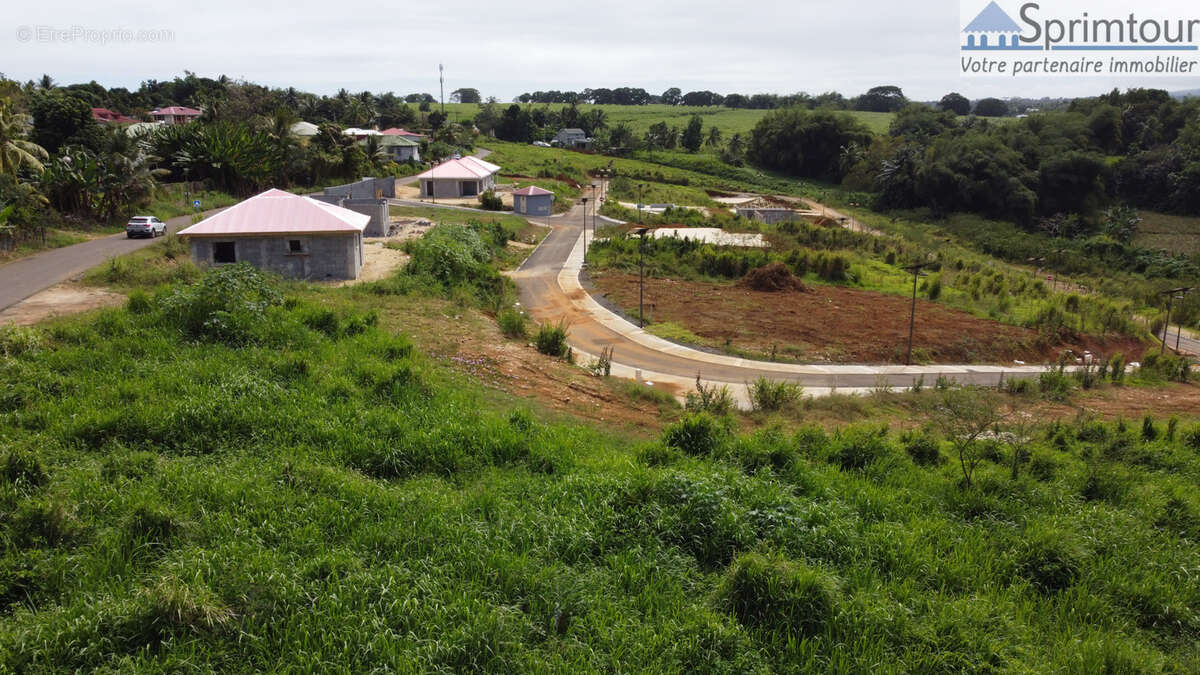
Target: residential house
572, 138
533, 201
298, 237
465, 177
410, 135
175, 114
401, 148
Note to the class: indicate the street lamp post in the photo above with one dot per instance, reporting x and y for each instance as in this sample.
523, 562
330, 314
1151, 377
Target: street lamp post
912, 317
641, 233
641, 187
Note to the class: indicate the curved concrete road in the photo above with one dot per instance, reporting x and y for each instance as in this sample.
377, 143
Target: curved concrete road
549, 291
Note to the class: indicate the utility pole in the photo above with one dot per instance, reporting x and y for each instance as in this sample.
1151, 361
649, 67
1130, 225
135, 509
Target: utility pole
912, 317
641, 187
1171, 294
442, 86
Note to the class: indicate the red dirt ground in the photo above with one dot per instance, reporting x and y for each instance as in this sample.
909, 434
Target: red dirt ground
839, 325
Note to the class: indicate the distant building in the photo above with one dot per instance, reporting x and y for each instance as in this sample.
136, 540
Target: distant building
401, 148
175, 114
304, 129
298, 237
358, 133
533, 201
106, 116
410, 135
465, 177
572, 138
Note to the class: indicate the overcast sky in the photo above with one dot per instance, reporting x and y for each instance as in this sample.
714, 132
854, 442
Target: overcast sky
504, 49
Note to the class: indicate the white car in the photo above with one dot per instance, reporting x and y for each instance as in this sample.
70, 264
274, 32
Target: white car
144, 226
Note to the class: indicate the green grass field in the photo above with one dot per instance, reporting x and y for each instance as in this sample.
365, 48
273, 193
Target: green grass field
641, 117
1171, 233
221, 478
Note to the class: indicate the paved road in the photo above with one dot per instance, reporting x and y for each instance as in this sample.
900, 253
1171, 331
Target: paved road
543, 297
24, 277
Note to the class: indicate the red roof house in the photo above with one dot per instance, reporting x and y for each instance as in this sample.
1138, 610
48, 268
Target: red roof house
175, 114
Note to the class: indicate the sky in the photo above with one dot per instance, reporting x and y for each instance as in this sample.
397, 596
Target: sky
504, 49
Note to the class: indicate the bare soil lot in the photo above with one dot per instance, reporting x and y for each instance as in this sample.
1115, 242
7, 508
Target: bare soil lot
836, 325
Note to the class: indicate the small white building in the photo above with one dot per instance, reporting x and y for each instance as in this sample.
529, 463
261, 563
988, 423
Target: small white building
572, 138
297, 237
465, 177
533, 201
304, 129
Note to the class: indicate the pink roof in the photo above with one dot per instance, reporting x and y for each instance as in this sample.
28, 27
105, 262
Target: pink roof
276, 212
106, 115
400, 132
532, 191
177, 110
465, 168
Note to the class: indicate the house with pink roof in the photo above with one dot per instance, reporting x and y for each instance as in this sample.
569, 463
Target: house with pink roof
410, 135
533, 201
457, 178
175, 114
297, 237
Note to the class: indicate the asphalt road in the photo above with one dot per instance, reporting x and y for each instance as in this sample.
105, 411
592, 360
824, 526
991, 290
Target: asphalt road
24, 277
544, 299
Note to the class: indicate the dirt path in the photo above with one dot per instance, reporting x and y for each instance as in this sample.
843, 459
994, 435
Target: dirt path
58, 300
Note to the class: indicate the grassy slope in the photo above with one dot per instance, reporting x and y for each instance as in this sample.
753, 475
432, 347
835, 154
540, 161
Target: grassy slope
1171, 233
330, 496
641, 117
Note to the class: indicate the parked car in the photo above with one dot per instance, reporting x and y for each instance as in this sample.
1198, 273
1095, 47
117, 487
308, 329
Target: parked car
144, 226
541, 144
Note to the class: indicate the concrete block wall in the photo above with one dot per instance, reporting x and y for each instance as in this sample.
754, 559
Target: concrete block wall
367, 188
376, 208
324, 256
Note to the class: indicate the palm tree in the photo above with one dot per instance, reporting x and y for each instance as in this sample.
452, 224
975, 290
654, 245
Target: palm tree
375, 152
714, 137
15, 151
46, 83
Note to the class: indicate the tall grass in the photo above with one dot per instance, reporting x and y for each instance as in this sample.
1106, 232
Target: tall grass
325, 494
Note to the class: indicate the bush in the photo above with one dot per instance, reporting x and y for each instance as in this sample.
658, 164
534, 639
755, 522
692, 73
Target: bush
858, 448
512, 323
1050, 559
1055, 385
490, 202
777, 594
922, 447
228, 305
551, 339
18, 340
697, 434
711, 398
771, 395
139, 302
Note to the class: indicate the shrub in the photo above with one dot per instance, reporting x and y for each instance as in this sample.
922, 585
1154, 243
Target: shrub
711, 398
697, 434
771, 395
1149, 431
858, 448
512, 322
922, 447
489, 201
776, 594
1050, 559
227, 305
551, 339
139, 302
1116, 368
1054, 385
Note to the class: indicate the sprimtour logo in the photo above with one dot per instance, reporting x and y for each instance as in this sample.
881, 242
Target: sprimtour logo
1045, 42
